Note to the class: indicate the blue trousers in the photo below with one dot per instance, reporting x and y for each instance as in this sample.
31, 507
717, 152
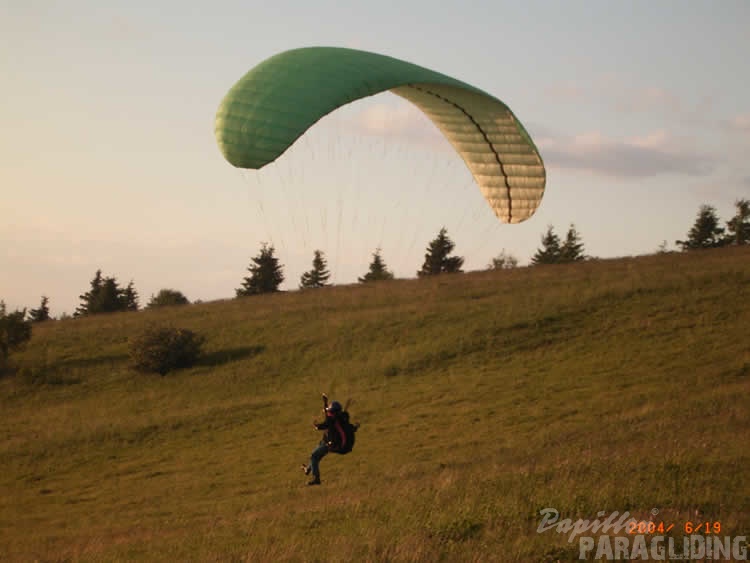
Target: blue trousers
318, 454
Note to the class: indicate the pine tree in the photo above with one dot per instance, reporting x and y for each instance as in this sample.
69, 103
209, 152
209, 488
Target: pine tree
266, 274
706, 232
109, 297
128, 298
550, 251
378, 270
572, 249
503, 261
90, 297
318, 276
437, 261
42, 313
106, 296
739, 225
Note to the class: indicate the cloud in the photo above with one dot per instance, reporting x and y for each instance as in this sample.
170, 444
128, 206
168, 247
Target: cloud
654, 153
648, 99
402, 123
739, 123
635, 157
624, 95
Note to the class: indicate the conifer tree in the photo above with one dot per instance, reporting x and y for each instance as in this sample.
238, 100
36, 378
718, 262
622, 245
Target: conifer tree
572, 249
42, 313
90, 297
128, 298
110, 298
378, 270
503, 261
550, 251
437, 260
738, 227
266, 274
318, 276
706, 232
106, 296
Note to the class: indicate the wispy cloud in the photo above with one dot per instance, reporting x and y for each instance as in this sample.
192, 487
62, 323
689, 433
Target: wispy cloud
400, 122
654, 153
625, 96
740, 123
635, 157
648, 99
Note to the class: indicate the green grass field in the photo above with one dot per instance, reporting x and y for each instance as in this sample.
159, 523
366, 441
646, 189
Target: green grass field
617, 385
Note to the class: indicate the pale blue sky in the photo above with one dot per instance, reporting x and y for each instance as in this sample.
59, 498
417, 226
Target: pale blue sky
108, 159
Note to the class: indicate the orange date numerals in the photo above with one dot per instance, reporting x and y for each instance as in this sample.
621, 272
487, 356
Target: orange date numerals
702, 527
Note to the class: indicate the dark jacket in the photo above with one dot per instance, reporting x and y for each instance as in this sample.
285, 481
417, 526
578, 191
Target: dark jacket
336, 435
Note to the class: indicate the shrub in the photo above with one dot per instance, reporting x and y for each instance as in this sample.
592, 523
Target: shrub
160, 350
167, 298
14, 333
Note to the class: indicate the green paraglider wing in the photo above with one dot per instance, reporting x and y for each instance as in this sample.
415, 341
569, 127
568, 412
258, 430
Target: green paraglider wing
270, 107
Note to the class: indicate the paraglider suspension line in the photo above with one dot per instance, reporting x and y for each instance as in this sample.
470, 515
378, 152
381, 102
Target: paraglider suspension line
486, 139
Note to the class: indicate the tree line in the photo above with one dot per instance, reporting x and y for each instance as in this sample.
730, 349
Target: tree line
266, 273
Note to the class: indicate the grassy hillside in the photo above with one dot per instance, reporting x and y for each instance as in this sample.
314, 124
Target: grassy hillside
484, 398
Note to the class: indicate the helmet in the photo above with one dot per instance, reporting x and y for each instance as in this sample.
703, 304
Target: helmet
335, 407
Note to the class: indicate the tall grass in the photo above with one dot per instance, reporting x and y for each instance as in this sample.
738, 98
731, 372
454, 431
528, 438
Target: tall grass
484, 398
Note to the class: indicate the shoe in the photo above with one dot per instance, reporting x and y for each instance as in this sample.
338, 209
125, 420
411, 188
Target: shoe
306, 469
315, 481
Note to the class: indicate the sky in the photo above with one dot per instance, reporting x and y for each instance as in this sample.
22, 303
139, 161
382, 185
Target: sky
108, 158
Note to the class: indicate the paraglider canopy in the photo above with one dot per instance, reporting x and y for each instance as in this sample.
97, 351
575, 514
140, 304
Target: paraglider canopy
270, 107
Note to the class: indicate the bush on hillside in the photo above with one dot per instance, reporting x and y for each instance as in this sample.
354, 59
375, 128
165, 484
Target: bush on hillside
15, 331
168, 298
161, 350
